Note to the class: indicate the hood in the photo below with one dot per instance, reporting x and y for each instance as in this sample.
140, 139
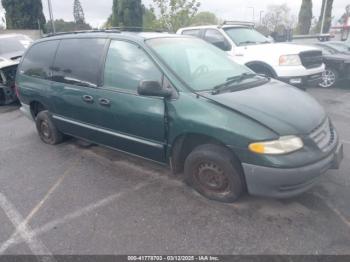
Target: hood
283, 108
5, 62
13, 55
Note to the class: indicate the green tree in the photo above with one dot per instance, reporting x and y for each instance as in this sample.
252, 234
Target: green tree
328, 16
108, 23
114, 21
127, 13
65, 26
130, 13
204, 18
150, 20
305, 17
175, 14
24, 14
278, 17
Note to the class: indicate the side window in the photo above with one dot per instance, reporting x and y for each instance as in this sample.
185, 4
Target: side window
38, 60
192, 32
78, 62
216, 38
127, 65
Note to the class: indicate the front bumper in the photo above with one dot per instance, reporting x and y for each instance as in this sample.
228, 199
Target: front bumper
282, 183
303, 81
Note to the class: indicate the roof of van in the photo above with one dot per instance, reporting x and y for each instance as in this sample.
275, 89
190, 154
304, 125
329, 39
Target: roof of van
112, 34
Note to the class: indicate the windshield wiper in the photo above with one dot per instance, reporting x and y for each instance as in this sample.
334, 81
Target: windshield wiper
235, 79
246, 42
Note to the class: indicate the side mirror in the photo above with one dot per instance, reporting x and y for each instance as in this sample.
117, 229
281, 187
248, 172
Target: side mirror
223, 45
153, 88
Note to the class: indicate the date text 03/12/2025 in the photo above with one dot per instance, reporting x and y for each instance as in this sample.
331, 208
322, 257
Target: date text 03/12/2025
173, 258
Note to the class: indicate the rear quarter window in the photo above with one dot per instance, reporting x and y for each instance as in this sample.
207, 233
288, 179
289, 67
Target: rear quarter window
38, 60
192, 32
78, 61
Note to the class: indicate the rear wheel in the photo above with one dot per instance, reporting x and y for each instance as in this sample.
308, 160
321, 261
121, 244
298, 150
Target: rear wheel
47, 130
214, 173
330, 78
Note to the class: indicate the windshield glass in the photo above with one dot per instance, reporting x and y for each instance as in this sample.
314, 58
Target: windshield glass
200, 65
245, 36
14, 44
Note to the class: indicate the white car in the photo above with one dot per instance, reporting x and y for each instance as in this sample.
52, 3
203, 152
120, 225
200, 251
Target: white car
297, 65
12, 47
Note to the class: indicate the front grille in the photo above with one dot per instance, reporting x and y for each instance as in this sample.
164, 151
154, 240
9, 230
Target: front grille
324, 135
311, 59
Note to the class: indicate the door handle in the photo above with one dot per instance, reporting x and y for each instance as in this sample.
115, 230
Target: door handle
104, 102
88, 99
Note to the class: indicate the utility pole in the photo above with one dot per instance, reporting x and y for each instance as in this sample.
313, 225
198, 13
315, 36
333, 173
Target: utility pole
253, 13
261, 12
51, 17
324, 16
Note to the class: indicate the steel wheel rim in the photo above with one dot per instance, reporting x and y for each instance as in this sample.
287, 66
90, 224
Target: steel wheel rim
45, 130
211, 178
328, 78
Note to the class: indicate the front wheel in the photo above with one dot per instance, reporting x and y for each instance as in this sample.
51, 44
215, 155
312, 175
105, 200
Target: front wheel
330, 78
214, 173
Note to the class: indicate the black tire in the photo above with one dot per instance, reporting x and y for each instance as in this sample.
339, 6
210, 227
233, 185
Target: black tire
48, 132
215, 173
330, 78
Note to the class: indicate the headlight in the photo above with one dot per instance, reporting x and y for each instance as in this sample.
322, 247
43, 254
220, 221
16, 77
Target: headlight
283, 145
290, 60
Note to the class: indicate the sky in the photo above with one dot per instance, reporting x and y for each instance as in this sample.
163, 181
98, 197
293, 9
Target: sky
97, 11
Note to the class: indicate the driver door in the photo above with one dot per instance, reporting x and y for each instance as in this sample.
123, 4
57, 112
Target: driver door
131, 122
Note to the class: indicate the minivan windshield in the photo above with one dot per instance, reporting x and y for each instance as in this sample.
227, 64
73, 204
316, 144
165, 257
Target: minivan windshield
200, 65
246, 36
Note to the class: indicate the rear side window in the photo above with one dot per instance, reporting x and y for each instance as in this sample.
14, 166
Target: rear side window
127, 65
78, 62
38, 60
192, 32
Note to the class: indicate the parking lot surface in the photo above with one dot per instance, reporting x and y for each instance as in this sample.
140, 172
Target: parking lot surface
69, 199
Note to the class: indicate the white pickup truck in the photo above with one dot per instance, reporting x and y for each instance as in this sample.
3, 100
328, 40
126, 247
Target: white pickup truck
297, 65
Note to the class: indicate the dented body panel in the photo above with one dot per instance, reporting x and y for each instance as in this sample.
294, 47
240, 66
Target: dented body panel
7, 82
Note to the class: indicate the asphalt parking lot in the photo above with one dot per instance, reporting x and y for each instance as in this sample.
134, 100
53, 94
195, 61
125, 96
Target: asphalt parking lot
68, 199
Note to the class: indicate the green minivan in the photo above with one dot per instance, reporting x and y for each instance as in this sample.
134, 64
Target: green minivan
179, 101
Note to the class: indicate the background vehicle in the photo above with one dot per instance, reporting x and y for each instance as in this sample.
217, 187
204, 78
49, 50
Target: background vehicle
12, 47
337, 61
183, 102
7, 81
296, 65
339, 46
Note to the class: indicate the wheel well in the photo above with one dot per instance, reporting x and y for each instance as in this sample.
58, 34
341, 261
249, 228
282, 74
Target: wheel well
262, 68
185, 144
36, 107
